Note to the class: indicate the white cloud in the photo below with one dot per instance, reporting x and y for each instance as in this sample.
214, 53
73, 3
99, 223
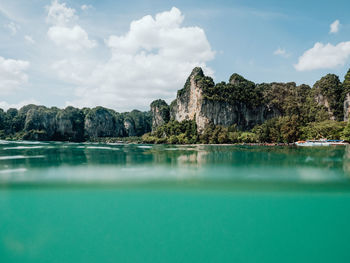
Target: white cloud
29, 39
281, 52
71, 37
12, 27
5, 105
12, 75
59, 14
86, 7
322, 56
74, 38
152, 60
334, 27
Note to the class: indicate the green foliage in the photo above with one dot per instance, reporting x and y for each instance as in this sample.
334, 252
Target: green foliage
173, 104
101, 122
162, 108
332, 89
345, 135
214, 134
34, 122
42, 121
279, 130
2, 120
238, 90
174, 132
248, 137
290, 100
346, 82
70, 125
141, 121
197, 72
331, 130
158, 103
36, 135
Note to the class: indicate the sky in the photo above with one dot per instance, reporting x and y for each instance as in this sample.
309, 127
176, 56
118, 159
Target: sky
125, 54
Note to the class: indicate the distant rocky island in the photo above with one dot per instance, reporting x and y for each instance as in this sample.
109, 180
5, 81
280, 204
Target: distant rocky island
239, 111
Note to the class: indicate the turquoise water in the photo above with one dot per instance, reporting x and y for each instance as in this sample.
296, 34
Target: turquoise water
63, 202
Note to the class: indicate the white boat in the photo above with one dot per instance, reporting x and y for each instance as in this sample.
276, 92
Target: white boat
322, 142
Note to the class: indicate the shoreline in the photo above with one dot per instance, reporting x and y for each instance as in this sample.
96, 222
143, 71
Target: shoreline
121, 142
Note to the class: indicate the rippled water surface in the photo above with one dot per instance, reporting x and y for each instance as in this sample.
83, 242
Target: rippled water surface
69, 202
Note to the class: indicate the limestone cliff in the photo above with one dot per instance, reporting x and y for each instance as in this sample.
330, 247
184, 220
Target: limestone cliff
137, 123
195, 102
40, 122
129, 127
70, 124
160, 113
346, 87
323, 101
328, 92
100, 122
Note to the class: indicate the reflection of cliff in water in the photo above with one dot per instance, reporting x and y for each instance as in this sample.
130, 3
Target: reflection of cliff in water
190, 156
272, 156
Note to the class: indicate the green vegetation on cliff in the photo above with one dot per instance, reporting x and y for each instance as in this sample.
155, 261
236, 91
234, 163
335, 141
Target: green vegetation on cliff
287, 113
302, 112
163, 108
137, 123
237, 90
285, 129
174, 132
346, 83
34, 122
329, 90
198, 74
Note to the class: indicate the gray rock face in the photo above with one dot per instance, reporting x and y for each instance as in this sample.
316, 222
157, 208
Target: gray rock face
65, 127
329, 94
226, 114
191, 104
100, 122
160, 113
137, 123
41, 119
323, 101
70, 124
347, 107
129, 127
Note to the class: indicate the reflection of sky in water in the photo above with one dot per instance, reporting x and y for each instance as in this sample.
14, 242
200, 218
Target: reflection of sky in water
73, 162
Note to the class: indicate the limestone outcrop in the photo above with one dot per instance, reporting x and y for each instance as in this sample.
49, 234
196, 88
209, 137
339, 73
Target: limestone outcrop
160, 113
192, 102
70, 124
347, 107
100, 122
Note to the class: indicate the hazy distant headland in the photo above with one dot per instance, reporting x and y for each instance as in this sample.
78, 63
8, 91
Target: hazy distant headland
203, 112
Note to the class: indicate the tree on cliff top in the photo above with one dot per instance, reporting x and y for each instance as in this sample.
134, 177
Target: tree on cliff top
197, 74
332, 89
346, 82
238, 90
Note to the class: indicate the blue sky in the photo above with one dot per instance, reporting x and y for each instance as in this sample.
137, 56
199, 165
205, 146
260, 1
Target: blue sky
86, 53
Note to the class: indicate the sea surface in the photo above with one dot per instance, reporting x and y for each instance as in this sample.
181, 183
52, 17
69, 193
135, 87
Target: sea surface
70, 202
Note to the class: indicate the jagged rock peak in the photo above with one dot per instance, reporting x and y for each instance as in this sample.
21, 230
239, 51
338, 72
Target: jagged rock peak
237, 79
158, 103
196, 74
197, 71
